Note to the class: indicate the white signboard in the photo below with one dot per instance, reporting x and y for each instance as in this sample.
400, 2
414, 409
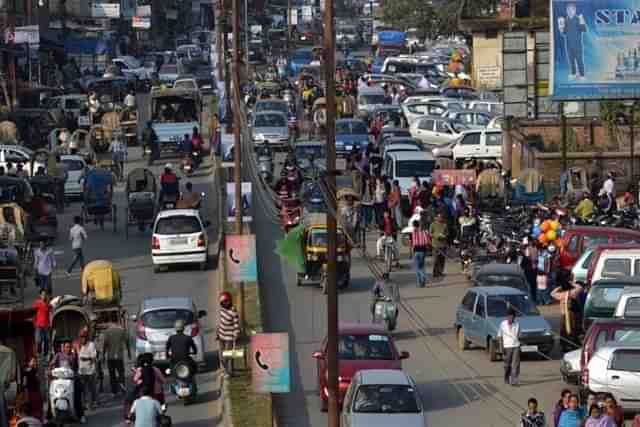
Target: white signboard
143, 10
105, 10
141, 22
307, 13
29, 34
294, 16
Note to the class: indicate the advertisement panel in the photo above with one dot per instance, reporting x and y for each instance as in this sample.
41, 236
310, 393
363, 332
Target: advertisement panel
105, 10
246, 201
596, 49
141, 22
29, 34
270, 369
241, 258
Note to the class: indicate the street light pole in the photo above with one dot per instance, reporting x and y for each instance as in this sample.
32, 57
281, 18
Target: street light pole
332, 232
633, 142
237, 150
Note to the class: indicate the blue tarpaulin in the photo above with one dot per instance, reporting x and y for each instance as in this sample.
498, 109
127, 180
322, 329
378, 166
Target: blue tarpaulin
391, 38
86, 46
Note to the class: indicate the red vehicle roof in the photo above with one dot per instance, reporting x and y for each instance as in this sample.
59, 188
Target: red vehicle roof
353, 328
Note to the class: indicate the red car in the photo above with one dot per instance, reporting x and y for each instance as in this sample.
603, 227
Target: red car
577, 239
360, 346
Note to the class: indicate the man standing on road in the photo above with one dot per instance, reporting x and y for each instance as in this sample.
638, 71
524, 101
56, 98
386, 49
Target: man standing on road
77, 235
228, 330
44, 264
119, 154
509, 332
42, 322
419, 241
439, 235
87, 361
115, 342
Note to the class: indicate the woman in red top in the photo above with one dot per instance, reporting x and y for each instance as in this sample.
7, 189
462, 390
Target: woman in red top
42, 322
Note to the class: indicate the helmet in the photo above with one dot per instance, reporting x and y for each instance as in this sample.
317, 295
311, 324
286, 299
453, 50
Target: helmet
168, 166
179, 325
225, 297
552, 248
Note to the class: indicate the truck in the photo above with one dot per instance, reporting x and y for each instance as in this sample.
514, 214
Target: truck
174, 113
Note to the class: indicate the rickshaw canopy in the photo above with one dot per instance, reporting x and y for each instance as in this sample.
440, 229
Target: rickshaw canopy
99, 278
68, 320
141, 180
490, 182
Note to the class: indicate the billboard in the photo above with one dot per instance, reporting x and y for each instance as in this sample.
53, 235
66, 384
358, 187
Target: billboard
596, 49
141, 22
246, 201
241, 258
270, 372
105, 10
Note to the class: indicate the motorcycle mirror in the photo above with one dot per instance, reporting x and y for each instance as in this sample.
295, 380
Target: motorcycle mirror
168, 372
163, 408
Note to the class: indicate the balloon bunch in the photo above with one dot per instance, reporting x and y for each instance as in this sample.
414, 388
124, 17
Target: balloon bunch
547, 231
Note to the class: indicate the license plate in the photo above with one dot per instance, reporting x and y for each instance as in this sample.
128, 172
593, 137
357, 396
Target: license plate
83, 121
178, 241
529, 348
161, 355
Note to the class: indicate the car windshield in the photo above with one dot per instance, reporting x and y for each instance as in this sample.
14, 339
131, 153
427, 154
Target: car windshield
501, 280
270, 120
351, 128
411, 168
365, 347
371, 99
169, 69
73, 165
605, 297
271, 106
166, 318
319, 237
317, 152
498, 305
395, 133
386, 399
179, 224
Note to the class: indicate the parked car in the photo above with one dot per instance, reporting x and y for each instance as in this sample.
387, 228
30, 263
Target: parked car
491, 108
602, 331
614, 369
495, 274
581, 267
393, 132
436, 131
179, 237
383, 397
478, 144
483, 308
270, 128
351, 134
628, 305
603, 298
614, 263
398, 148
578, 238
471, 119
155, 321
419, 110
360, 346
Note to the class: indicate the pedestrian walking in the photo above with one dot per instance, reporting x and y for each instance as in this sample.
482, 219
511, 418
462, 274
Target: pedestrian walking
119, 153
561, 406
44, 263
77, 235
573, 416
32, 386
42, 322
533, 417
367, 204
116, 341
228, 330
420, 243
439, 236
509, 332
393, 201
567, 295
87, 361
614, 410
379, 201
214, 133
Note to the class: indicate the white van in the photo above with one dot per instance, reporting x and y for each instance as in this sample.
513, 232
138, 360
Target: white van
616, 263
479, 144
404, 165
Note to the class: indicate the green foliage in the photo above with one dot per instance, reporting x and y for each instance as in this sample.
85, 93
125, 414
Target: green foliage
405, 14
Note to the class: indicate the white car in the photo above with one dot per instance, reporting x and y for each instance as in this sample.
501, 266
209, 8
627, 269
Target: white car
479, 144
570, 367
75, 167
179, 237
436, 131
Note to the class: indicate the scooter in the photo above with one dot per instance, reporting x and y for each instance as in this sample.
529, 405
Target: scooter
184, 387
386, 311
265, 167
61, 396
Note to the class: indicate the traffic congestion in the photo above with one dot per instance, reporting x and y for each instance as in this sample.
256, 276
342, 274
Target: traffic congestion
471, 291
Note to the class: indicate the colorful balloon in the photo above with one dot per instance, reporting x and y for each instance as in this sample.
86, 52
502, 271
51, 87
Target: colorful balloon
546, 226
543, 239
551, 235
535, 232
555, 225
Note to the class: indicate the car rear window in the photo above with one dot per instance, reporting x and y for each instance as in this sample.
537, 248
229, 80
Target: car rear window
179, 224
411, 168
627, 335
626, 360
605, 296
632, 308
365, 347
498, 305
166, 319
386, 399
616, 267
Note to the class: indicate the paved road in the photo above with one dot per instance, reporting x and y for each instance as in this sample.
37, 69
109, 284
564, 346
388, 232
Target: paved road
132, 258
458, 389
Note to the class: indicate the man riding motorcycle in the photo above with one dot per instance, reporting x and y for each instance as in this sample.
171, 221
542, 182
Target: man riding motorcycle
169, 184
180, 347
150, 142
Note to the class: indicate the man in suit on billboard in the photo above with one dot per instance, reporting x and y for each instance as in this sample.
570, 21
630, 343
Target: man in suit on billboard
572, 27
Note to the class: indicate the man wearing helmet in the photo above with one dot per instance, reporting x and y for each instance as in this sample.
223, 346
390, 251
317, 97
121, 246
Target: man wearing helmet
180, 347
228, 329
169, 186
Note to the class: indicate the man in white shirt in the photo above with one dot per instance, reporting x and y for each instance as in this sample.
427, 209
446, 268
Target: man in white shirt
609, 185
87, 358
509, 332
77, 235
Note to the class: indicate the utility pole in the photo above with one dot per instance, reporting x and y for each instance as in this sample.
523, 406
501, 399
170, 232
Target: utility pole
220, 38
11, 56
332, 229
563, 142
237, 150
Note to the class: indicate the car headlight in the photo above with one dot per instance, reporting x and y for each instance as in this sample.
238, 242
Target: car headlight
259, 137
182, 371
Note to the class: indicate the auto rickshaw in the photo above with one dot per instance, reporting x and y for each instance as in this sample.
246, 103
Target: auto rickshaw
319, 114
101, 284
529, 189
490, 190
315, 254
141, 192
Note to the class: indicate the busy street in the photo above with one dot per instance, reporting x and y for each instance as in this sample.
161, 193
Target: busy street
319, 213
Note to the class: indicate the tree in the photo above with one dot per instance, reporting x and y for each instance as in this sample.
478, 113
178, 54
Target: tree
405, 14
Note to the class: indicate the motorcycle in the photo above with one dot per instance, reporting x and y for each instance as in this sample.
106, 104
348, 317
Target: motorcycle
388, 245
265, 167
61, 396
293, 127
386, 311
188, 165
184, 386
